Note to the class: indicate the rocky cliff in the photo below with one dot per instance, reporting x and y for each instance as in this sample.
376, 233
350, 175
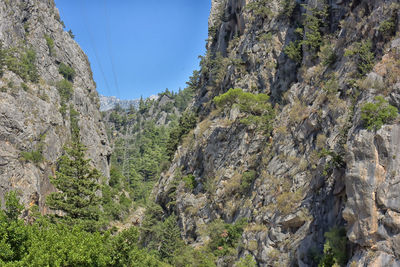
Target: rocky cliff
322, 184
46, 79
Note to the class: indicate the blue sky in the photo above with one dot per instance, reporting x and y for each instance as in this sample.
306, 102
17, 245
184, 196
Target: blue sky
150, 45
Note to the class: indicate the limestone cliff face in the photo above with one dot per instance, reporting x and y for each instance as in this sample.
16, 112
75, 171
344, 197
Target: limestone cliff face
30, 115
320, 168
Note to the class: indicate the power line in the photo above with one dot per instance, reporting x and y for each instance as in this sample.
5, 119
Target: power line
83, 9
109, 46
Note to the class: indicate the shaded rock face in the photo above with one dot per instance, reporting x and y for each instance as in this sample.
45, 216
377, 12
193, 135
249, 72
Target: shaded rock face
319, 168
30, 116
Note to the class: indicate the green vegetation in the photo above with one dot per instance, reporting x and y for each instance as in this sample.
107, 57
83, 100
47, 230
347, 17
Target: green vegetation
36, 155
24, 87
288, 7
310, 34
2, 59
327, 55
186, 123
313, 22
388, 27
257, 107
114, 201
335, 253
71, 34
22, 63
50, 44
293, 51
215, 66
77, 184
247, 261
66, 71
65, 89
260, 8
247, 180
190, 181
365, 58
32, 156
375, 115
43, 243
225, 237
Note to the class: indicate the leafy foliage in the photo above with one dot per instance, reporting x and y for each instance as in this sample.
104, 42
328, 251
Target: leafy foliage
364, 56
288, 7
313, 22
247, 261
66, 71
293, 51
33, 156
190, 181
65, 90
50, 44
36, 155
13, 232
387, 27
247, 180
375, 115
225, 236
257, 107
43, 243
335, 253
215, 66
22, 63
260, 8
186, 123
77, 183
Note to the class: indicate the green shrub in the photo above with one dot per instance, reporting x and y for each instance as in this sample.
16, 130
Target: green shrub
256, 106
22, 63
216, 66
65, 90
260, 8
63, 109
247, 180
186, 123
375, 115
66, 71
190, 181
24, 87
335, 253
288, 7
364, 56
293, 51
32, 156
327, 55
71, 34
388, 27
314, 21
2, 59
224, 236
50, 44
247, 261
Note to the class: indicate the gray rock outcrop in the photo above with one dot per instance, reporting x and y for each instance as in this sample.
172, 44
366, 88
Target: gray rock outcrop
319, 169
31, 118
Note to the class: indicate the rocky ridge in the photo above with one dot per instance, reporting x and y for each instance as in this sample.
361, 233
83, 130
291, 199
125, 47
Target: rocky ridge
35, 124
319, 169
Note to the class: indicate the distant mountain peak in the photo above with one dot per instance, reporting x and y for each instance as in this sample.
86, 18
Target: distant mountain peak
109, 102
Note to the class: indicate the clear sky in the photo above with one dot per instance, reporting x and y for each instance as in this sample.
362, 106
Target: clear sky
149, 45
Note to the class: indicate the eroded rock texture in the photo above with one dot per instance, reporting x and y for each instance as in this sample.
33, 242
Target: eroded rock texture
319, 168
30, 114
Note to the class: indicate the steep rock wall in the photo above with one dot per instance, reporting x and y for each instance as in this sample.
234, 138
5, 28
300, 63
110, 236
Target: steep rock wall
30, 116
319, 168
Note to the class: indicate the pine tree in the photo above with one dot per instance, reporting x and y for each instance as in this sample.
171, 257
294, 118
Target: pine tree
77, 183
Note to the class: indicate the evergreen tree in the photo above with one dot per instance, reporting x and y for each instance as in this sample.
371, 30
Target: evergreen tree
77, 183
